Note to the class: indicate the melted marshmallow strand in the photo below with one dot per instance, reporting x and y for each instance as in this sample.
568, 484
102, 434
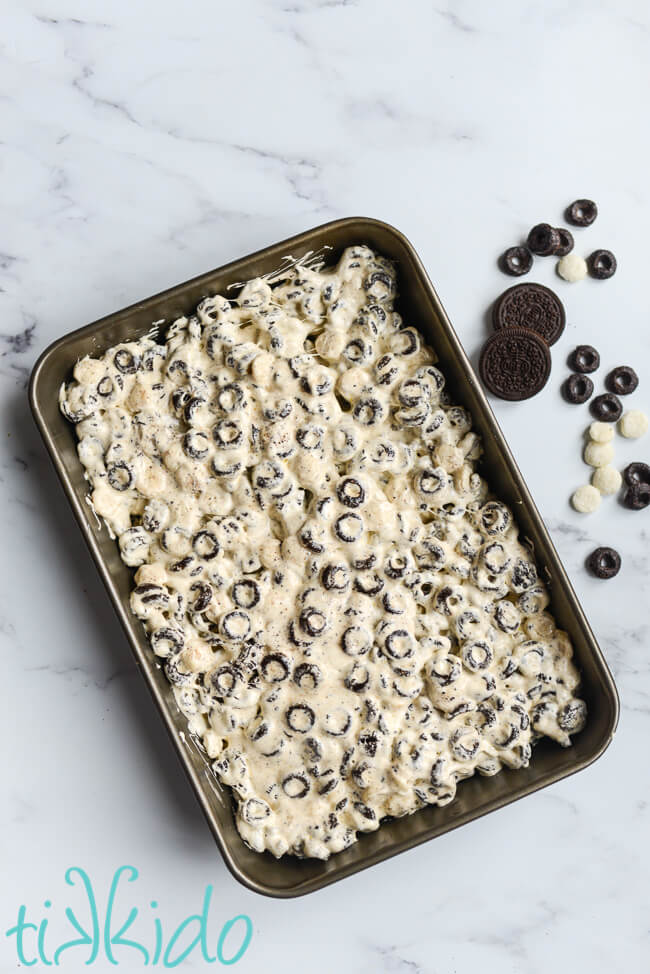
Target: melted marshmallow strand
347, 618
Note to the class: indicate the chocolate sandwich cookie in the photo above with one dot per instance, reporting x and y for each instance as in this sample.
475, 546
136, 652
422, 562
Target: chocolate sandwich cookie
531, 306
515, 363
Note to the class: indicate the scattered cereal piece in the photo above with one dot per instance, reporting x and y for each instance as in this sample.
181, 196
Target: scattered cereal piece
598, 454
606, 479
581, 213
584, 358
622, 380
602, 264
572, 268
601, 432
637, 473
577, 388
604, 562
586, 499
633, 424
607, 407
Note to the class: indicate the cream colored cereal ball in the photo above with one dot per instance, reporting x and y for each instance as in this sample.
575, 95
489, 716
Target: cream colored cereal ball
586, 499
601, 432
633, 424
606, 479
572, 268
598, 454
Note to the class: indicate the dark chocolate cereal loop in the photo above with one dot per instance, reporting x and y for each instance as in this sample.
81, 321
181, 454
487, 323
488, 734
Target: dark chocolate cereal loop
604, 562
637, 497
543, 240
515, 363
602, 264
581, 213
577, 388
530, 306
566, 243
585, 358
636, 474
607, 408
516, 261
622, 380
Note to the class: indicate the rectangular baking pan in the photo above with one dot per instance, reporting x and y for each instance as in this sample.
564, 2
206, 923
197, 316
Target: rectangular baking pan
420, 306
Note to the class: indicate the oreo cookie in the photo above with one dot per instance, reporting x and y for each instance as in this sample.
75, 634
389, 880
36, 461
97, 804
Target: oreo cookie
515, 363
530, 306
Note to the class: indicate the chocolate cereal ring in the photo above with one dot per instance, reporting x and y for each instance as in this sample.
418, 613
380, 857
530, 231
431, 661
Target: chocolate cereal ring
515, 363
585, 358
602, 264
577, 388
543, 240
636, 474
516, 261
581, 213
566, 242
604, 562
622, 380
530, 306
637, 497
607, 408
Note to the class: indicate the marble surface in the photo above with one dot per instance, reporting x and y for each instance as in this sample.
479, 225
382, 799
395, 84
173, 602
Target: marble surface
143, 143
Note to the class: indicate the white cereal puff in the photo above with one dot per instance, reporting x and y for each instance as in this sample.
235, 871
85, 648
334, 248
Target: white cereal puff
633, 424
606, 479
586, 499
598, 454
601, 432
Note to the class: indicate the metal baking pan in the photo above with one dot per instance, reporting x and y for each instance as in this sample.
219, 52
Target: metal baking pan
420, 306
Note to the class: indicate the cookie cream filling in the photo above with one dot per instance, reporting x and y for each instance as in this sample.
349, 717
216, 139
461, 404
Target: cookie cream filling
344, 611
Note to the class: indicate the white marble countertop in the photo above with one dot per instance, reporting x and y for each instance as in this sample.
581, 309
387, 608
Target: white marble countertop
143, 143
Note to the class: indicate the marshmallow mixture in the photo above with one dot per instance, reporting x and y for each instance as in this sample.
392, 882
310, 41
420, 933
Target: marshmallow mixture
346, 615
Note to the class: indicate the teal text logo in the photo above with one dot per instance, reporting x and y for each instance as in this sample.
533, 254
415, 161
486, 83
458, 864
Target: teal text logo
106, 936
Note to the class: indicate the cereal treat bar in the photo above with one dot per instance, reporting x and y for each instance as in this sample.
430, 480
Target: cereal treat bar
345, 613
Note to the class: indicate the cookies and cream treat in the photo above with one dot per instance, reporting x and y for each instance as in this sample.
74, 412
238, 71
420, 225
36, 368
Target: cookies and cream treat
346, 614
